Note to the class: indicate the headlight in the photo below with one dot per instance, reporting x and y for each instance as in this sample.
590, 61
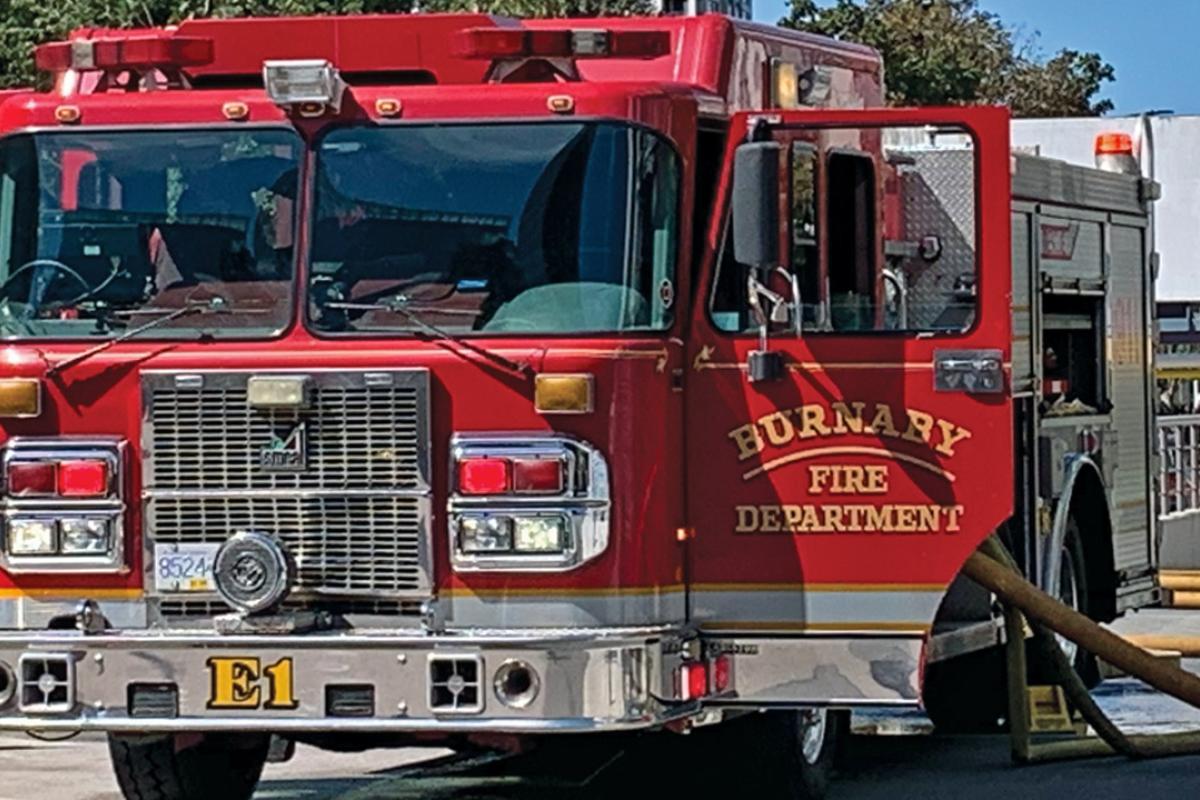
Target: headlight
540, 534
84, 535
485, 534
31, 537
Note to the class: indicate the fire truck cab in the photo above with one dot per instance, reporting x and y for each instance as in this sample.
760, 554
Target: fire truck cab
458, 380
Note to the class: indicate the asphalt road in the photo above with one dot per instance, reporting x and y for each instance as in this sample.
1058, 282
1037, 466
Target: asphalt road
912, 765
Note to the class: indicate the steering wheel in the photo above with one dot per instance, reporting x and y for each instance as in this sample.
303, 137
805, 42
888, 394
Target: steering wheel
36, 292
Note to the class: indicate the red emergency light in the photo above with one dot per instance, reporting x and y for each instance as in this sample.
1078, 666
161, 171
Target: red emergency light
514, 43
133, 52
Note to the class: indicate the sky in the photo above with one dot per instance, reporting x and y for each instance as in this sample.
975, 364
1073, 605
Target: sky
1151, 43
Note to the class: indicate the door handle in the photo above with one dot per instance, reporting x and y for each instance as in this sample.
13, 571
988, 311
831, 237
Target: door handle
972, 371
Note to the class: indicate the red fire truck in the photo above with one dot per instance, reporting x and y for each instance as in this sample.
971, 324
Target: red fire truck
384, 380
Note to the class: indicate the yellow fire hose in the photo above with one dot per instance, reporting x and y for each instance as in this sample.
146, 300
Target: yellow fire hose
993, 568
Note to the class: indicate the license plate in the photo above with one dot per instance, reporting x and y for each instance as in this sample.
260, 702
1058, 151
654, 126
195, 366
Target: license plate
184, 567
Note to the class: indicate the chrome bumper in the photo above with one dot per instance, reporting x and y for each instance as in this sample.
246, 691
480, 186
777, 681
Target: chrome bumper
141, 681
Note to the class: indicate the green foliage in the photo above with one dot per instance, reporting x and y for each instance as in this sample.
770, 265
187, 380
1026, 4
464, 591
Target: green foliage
950, 51
26, 23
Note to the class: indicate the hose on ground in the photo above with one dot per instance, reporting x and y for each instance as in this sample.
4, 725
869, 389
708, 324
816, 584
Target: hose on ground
993, 568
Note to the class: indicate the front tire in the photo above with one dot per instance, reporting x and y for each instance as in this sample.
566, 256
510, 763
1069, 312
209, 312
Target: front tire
779, 755
162, 768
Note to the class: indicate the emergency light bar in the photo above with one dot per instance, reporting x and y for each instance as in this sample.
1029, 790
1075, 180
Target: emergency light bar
303, 83
134, 52
514, 43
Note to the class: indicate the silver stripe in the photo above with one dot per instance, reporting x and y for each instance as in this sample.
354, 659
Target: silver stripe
824, 608
549, 611
29, 613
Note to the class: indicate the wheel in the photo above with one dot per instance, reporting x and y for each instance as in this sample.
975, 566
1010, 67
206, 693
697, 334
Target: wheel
162, 768
776, 755
1073, 592
814, 736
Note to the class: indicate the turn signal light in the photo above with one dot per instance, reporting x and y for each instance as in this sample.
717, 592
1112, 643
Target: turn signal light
484, 475
20, 397
82, 478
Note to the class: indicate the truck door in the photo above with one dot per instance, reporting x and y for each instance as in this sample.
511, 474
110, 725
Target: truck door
848, 417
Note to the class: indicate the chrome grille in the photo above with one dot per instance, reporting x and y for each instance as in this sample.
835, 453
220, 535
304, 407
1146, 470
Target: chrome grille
355, 517
339, 543
360, 436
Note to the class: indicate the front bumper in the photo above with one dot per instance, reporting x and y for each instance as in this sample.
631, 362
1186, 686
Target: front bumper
142, 681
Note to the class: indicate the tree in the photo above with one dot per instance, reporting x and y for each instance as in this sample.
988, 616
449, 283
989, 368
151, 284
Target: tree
26, 23
939, 52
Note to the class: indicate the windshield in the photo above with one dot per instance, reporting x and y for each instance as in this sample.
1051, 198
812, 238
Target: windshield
101, 232
495, 228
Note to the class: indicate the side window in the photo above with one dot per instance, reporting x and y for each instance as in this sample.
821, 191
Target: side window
880, 233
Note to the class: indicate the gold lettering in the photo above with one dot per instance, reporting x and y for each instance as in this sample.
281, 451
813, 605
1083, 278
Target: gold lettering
882, 423
770, 518
951, 435
747, 519
920, 427
812, 422
906, 519
809, 523
845, 420
749, 442
818, 479
833, 518
953, 514
929, 518
792, 515
233, 683
778, 428
877, 480
282, 685
877, 518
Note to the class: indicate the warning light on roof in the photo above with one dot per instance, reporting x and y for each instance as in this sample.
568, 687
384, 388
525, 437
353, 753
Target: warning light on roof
514, 43
158, 51
1114, 144
1115, 153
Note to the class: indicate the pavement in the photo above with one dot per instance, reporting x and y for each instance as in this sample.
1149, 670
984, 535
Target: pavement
909, 764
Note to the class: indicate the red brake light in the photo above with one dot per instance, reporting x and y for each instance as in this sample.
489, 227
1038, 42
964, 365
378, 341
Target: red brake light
693, 680
484, 475
82, 478
32, 478
537, 475
721, 673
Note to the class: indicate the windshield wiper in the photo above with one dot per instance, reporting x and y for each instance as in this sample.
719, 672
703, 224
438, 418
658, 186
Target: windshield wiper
401, 304
213, 305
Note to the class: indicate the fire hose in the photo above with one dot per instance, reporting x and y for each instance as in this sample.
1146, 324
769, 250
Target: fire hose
993, 568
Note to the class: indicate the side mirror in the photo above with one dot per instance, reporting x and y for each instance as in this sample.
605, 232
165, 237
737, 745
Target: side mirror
756, 204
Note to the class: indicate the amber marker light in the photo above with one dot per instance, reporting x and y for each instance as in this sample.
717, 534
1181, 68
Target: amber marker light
563, 394
20, 397
387, 107
235, 111
560, 103
68, 115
